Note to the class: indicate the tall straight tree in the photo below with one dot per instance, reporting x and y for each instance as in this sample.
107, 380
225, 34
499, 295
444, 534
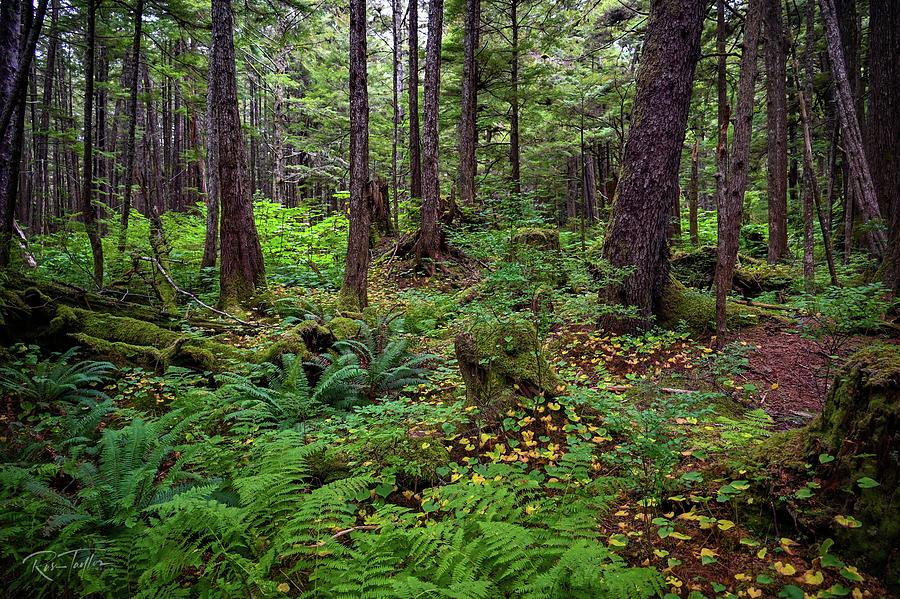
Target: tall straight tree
356, 271
776, 111
242, 270
515, 154
211, 240
733, 200
11, 17
884, 80
860, 173
415, 141
431, 235
468, 116
89, 211
636, 236
132, 124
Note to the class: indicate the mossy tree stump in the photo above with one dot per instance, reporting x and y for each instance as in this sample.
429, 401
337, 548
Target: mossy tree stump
500, 361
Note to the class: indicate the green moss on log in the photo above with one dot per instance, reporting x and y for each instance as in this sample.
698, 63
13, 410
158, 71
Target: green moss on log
344, 328
697, 310
540, 238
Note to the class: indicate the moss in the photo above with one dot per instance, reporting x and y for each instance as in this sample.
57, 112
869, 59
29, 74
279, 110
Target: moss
344, 328
414, 460
544, 238
303, 341
696, 268
500, 360
698, 310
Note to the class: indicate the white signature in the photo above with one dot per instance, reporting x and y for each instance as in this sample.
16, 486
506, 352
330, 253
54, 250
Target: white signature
47, 563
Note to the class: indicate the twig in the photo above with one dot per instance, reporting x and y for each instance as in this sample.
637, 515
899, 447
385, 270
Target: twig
192, 296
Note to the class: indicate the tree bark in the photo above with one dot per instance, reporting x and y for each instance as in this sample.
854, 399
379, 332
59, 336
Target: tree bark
430, 243
515, 160
20, 76
415, 142
211, 239
884, 80
776, 111
89, 211
42, 139
242, 270
860, 175
694, 193
729, 222
354, 292
468, 133
636, 235
12, 14
132, 125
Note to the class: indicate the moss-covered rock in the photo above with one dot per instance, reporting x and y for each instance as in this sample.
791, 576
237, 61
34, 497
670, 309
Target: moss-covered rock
697, 310
500, 360
539, 238
752, 276
344, 328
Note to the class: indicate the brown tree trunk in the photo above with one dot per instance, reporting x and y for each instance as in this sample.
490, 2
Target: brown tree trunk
242, 270
89, 211
515, 160
132, 125
694, 193
42, 139
32, 28
354, 293
468, 134
415, 142
776, 111
211, 239
884, 78
588, 185
636, 236
11, 17
395, 105
431, 235
860, 174
733, 201
571, 210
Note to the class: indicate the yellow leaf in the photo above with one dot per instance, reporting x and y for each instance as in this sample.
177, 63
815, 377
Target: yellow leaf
706, 552
785, 569
813, 577
762, 553
741, 577
725, 524
284, 587
754, 592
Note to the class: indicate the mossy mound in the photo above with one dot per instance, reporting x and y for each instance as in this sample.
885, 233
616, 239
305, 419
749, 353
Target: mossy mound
303, 341
697, 311
345, 328
500, 360
542, 238
128, 340
413, 460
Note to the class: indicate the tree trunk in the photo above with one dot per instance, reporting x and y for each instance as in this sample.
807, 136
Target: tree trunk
30, 34
571, 211
89, 211
42, 139
884, 78
242, 270
636, 235
132, 124
431, 234
776, 110
733, 201
694, 192
354, 292
515, 161
395, 105
11, 34
415, 142
588, 185
211, 239
860, 175
468, 133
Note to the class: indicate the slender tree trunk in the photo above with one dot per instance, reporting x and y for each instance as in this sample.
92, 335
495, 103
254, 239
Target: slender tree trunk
211, 241
431, 236
776, 111
468, 118
415, 142
571, 210
395, 105
89, 211
354, 293
694, 192
515, 160
242, 270
589, 184
860, 175
723, 108
884, 70
636, 235
132, 125
732, 206
42, 139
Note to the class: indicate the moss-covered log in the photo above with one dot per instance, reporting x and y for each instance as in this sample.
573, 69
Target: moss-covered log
502, 360
697, 311
537, 238
752, 276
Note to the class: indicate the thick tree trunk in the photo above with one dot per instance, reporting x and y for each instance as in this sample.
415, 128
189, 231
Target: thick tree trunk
242, 270
30, 34
730, 209
89, 211
884, 78
11, 13
636, 236
860, 175
468, 134
132, 124
415, 142
776, 110
431, 235
354, 292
